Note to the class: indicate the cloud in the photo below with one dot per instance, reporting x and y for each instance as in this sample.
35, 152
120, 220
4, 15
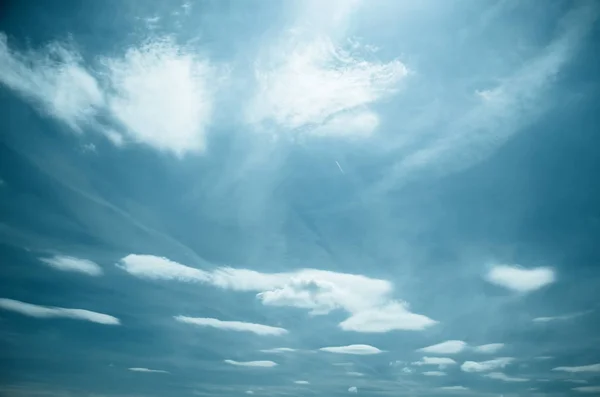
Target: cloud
317, 87
503, 377
353, 389
70, 264
302, 382
367, 300
484, 366
543, 358
54, 80
249, 392
352, 349
520, 279
441, 362
407, 370
162, 95
559, 318
279, 350
240, 326
583, 368
587, 389
448, 347
38, 311
454, 388
263, 363
352, 373
434, 373
579, 381
490, 348
158, 371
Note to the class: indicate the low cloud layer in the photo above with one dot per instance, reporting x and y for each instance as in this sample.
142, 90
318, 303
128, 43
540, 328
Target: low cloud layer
38, 311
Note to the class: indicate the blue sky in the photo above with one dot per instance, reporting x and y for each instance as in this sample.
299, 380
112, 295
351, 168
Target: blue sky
298, 198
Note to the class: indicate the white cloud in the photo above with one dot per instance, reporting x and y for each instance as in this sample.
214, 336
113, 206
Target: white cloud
490, 348
504, 377
582, 368
54, 80
158, 371
162, 95
448, 347
454, 388
368, 300
559, 318
315, 86
587, 389
38, 311
434, 373
520, 279
240, 326
263, 363
301, 382
352, 349
70, 264
407, 370
353, 389
279, 350
484, 366
441, 362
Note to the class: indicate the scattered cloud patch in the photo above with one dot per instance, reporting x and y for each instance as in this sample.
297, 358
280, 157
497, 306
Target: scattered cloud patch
352, 349
302, 382
38, 311
367, 300
262, 363
520, 279
71, 264
490, 348
582, 368
503, 377
484, 366
353, 389
434, 373
587, 389
316, 87
441, 362
239, 326
448, 347
158, 371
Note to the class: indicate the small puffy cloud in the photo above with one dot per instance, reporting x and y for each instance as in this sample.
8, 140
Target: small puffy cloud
316, 87
441, 362
38, 311
240, 326
448, 347
279, 350
352, 349
454, 388
368, 301
582, 368
158, 371
490, 348
503, 377
484, 366
520, 279
434, 373
53, 79
301, 382
353, 389
587, 389
70, 264
262, 363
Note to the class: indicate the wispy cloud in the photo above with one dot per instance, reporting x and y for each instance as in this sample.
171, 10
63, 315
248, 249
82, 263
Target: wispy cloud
503, 377
38, 311
352, 349
582, 368
587, 389
71, 264
490, 348
279, 350
368, 300
301, 382
240, 326
441, 362
263, 363
563, 317
434, 373
519, 279
484, 366
447, 347
353, 373
454, 388
158, 371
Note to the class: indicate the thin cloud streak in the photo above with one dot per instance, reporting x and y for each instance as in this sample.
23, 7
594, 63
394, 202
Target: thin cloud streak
38, 311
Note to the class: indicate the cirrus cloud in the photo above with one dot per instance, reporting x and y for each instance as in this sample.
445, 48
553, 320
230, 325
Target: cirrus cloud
38, 311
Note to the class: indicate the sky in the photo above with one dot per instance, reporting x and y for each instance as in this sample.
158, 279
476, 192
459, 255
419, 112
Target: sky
299, 198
